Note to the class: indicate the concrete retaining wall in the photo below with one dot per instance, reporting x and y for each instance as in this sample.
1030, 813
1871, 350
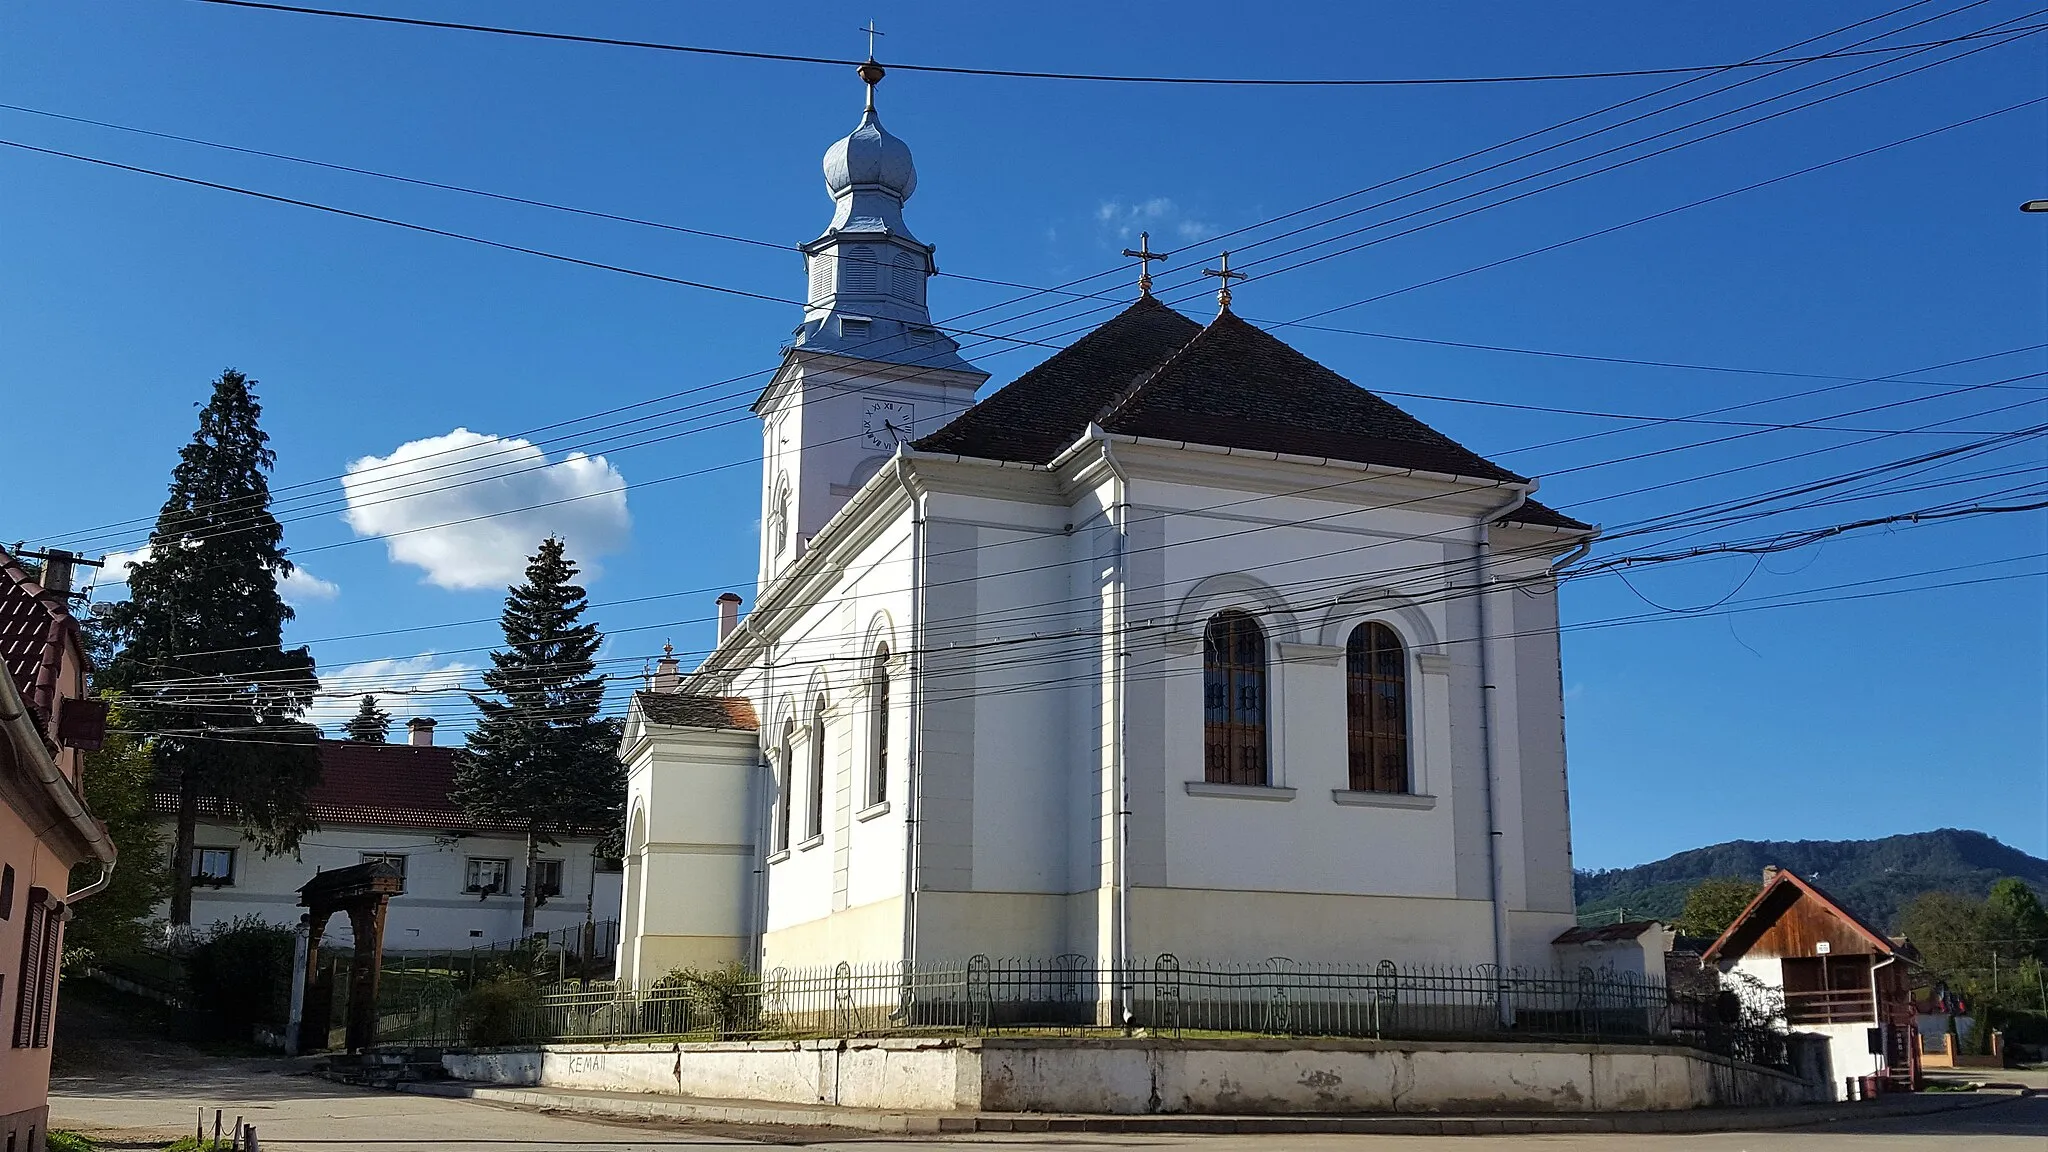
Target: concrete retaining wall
1139, 1076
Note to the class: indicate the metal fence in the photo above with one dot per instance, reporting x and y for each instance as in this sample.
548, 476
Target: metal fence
1072, 995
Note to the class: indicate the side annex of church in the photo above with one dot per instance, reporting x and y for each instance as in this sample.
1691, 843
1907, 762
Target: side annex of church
1179, 643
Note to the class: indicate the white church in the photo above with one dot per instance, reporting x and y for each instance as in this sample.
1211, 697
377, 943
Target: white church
1179, 643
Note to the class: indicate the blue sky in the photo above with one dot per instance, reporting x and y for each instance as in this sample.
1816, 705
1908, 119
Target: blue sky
124, 295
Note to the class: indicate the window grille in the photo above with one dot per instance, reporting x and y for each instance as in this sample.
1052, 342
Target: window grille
1376, 709
1234, 700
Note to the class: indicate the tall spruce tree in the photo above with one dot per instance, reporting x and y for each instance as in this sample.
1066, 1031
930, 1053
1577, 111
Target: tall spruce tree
370, 724
540, 758
202, 664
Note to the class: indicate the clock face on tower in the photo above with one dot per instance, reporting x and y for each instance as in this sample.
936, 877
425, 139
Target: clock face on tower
885, 424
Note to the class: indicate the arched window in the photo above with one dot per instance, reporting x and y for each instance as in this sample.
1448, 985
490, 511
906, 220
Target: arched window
1376, 709
1234, 700
814, 808
878, 727
780, 527
785, 778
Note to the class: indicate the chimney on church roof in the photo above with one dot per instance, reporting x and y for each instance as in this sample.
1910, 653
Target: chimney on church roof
419, 732
728, 614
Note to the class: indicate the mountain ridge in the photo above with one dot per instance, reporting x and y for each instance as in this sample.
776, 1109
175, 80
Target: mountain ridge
1874, 878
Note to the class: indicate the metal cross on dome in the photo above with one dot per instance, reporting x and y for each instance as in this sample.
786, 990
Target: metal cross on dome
872, 32
1145, 256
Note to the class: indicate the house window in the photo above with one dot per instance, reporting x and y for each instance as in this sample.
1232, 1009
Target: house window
6, 891
213, 867
485, 876
814, 794
1376, 709
1827, 990
1234, 700
878, 727
784, 777
547, 878
395, 859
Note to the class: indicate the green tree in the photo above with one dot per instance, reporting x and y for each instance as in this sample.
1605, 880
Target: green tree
202, 664
540, 759
2015, 924
1714, 903
370, 724
118, 780
1947, 929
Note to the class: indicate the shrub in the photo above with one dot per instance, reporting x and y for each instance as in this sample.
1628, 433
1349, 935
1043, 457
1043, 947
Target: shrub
62, 1141
500, 1010
725, 1000
240, 973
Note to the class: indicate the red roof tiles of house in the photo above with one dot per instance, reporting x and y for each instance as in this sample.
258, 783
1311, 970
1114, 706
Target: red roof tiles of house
35, 626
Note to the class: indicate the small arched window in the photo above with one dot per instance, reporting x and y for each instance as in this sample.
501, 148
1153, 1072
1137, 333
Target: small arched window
814, 794
859, 272
785, 778
878, 727
1234, 700
1376, 709
781, 516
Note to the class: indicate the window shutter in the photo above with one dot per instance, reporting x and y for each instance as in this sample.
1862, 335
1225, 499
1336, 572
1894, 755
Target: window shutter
46, 990
821, 276
31, 977
859, 273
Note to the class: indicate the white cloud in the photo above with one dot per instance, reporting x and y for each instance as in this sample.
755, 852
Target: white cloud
298, 588
301, 586
1158, 214
404, 687
469, 508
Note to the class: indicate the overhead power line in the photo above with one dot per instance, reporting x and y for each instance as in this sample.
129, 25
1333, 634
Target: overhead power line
1022, 74
1350, 195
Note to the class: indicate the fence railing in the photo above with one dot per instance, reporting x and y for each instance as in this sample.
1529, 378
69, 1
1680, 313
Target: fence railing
1073, 995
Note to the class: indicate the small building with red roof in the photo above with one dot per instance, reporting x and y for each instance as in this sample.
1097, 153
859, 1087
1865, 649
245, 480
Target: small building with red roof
1839, 976
392, 802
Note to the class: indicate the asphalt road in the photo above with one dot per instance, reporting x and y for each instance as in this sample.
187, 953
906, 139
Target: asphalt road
134, 1090
296, 1113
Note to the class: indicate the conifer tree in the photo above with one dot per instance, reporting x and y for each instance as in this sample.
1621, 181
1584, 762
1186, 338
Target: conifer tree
201, 663
541, 759
370, 724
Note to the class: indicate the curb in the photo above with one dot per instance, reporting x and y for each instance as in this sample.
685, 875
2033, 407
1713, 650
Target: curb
650, 1107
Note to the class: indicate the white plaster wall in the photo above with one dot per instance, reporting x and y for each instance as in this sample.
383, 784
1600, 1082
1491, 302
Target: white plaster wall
433, 913
1138, 1077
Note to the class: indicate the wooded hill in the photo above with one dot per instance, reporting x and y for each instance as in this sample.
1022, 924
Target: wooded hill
1875, 878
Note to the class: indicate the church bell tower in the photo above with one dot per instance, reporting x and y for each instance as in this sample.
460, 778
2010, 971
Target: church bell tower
867, 371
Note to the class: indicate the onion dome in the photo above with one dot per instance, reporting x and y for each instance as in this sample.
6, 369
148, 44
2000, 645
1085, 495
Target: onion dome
870, 156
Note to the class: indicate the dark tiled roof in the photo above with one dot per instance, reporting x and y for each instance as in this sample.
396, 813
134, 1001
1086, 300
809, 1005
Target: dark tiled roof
1039, 414
1606, 933
1152, 372
689, 710
35, 627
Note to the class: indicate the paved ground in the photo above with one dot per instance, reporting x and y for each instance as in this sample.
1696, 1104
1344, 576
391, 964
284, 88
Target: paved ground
296, 1113
135, 1092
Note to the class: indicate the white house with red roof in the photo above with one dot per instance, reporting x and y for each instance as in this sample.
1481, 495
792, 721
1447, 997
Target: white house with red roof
385, 801
1179, 643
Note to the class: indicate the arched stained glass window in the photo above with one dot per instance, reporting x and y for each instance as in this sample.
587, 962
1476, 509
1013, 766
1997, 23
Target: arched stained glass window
1376, 709
1234, 700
